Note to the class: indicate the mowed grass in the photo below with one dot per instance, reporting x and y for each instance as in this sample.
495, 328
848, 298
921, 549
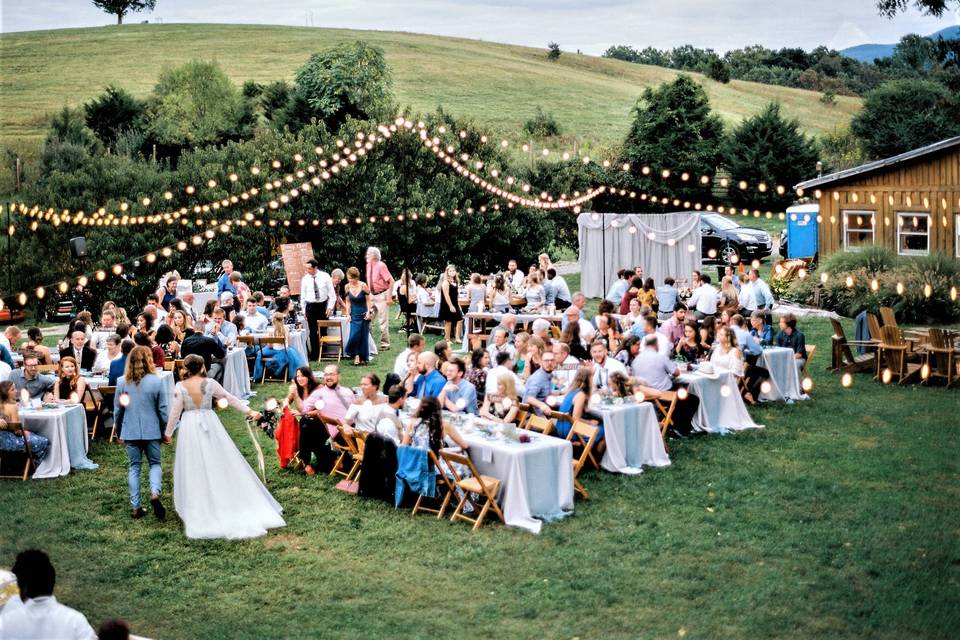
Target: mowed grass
498, 85
837, 520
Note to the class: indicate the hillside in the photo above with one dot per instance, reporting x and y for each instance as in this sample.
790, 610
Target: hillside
497, 85
869, 52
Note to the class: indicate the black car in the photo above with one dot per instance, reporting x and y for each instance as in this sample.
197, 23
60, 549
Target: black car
721, 238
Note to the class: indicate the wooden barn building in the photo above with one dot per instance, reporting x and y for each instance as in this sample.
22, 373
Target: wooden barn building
909, 203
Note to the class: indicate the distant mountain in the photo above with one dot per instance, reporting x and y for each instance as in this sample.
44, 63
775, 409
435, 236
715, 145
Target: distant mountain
867, 52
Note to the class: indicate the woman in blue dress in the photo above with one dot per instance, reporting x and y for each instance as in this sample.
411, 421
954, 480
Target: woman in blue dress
576, 401
278, 360
358, 308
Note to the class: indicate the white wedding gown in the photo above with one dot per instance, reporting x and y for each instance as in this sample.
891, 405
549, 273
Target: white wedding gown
215, 492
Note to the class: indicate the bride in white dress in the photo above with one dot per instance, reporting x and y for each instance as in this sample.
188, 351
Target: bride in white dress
215, 492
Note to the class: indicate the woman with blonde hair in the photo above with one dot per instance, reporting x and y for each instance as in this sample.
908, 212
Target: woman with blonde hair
503, 406
727, 299
69, 386
543, 262
278, 360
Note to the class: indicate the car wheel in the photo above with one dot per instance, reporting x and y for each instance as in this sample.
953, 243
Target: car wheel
727, 253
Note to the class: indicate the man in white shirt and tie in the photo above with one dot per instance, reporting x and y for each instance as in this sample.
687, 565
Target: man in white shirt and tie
317, 297
704, 299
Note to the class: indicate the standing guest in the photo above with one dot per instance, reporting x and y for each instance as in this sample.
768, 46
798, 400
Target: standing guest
35, 343
38, 614
564, 299
243, 291
458, 395
603, 365
406, 293
575, 403
318, 298
358, 301
668, 296
477, 374
704, 299
415, 344
619, 287
143, 340
79, 351
141, 410
673, 328
253, 321
448, 291
69, 386
430, 382
792, 338
118, 366
168, 292
760, 329
312, 432
28, 378
338, 279
207, 347
513, 277
689, 347
755, 294
633, 291
223, 282
728, 299
381, 288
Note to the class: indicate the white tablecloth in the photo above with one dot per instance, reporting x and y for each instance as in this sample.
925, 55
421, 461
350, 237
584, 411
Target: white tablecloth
718, 412
633, 438
66, 429
784, 376
236, 374
298, 341
95, 382
200, 300
536, 477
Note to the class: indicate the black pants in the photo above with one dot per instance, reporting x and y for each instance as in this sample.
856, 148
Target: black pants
313, 441
315, 311
561, 304
683, 414
755, 377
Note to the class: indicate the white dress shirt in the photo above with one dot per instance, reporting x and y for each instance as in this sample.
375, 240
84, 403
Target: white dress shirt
43, 618
256, 323
102, 363
602, 373
324, 286
400, 364
704, 300
516, 280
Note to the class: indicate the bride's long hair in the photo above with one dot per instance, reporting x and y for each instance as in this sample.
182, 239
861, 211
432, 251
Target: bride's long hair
193, 365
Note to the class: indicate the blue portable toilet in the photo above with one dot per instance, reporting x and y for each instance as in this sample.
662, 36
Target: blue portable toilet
803, 231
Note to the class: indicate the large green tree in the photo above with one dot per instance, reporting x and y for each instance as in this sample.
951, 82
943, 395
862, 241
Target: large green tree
904, 115
121, 8
112, 113
771, 150
890, 8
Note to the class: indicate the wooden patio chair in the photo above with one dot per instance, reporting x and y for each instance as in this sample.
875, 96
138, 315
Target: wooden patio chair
91, 406
478, 340
106, 409
896, 353
348, 447
444, 488
842, 358
665, 404
585, 435
524, 411
277, 343
888, 317
810, 350
17, 430
941, 356
555, 331
540, 424
485, 487
326, 340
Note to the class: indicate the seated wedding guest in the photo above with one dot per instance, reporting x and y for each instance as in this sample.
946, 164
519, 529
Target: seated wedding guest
633, 316
227, 303
458, 395
508, 322
166, 339
723, 320
79, 351
477, 373
541, 329
280, 360
603, 365
412, 372
754, 374
708, 331
364, 413
389, 425
760, 329
110, 353
260, 300
648, 294
673, 328
502, 405
727, 356
206, 316
430, 382
10, 412
141, 339
500, 344
38, 614
208, 348
415, 344
633, 291
476, 293
502, 365
339, 282
571, 337
629, 349
728, 271
253, 320
533, 356
728, 299
607, 331
222, 329
329, 399
652, 368
650, 329
619, 287
312, 431
500, 295
443, 351
187, 299
69, 386
425, 295
755, 294
427, 430
667, 295
689, 346
513, 276
118, 366
535, 294
539, 386
282, 292
704, 299
144, 323
107, 327
520, 343
574, 315
154, 310
564, 299
35, 343
792, 338
576, 402
620, 385
10, 337
124, 329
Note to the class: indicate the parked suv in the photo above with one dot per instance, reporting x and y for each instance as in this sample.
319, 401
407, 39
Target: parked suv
727, 239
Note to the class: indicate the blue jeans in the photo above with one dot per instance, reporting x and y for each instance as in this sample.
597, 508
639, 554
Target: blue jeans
135, 449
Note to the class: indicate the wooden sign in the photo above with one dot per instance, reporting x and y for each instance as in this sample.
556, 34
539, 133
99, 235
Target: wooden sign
295, 257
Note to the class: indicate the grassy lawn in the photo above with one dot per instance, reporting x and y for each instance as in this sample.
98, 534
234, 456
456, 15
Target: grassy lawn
498, 85
838, 519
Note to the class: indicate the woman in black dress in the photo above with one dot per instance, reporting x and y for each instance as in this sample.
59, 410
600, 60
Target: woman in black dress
450, 313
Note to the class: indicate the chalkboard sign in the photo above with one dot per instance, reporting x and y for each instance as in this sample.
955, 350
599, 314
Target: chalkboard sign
295, 257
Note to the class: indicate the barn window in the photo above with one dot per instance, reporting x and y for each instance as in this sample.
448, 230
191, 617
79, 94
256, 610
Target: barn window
913, 234
858, 227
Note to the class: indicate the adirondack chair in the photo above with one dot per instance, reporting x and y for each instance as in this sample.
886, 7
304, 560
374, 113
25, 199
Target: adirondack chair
896, 354
942, 356
843, 359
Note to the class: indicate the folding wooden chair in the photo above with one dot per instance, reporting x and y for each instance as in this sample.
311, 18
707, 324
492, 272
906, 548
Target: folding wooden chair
941, 356
17, 430
91, 406
888, 317
177, 368
47, 368
352, 446
444, 487
106, 409
327, 340
842, 358
277, 343
555, 331
559, 416
478, 340
666, 404
249, 342
168, 365
585, 436
524, 411
486, 487
540, 424
810, 350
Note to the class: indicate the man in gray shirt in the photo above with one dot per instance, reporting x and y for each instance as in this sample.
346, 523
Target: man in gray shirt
29, 378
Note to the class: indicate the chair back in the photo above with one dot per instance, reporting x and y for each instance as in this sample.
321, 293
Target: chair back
540, 424
555, 331
585, 435
523, 414
890, 336
888, 317
873, 326
16, 428
453, 459
273, 341
940, 339
246, 340
838, 329
328, 324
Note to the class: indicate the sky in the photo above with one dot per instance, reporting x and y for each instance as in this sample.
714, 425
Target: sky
587, 25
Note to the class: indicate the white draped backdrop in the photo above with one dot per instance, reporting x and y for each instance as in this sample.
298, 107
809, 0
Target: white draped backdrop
661, 245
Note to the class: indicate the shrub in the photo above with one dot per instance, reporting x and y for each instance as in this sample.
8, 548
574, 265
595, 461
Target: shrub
542, 125
718, 70
553, 51
112, 113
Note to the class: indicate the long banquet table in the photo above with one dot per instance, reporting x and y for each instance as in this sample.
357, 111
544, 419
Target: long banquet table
66, 429
721, 408
633, 437
784, 375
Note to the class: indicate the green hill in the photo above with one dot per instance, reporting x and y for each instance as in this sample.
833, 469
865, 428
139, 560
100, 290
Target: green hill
498, 85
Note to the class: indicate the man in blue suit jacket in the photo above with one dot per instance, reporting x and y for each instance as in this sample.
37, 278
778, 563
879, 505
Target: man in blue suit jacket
141, 409
118, 366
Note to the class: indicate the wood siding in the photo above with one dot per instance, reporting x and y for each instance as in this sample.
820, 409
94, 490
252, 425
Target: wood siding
928, 185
